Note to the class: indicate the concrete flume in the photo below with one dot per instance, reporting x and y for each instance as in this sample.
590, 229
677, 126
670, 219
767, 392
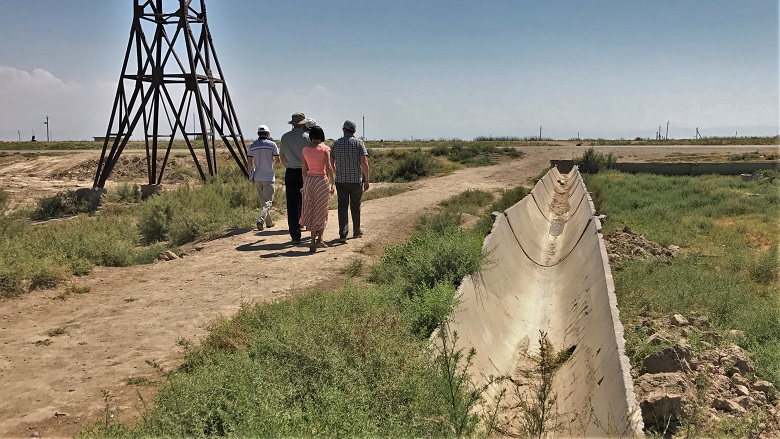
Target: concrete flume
548, 272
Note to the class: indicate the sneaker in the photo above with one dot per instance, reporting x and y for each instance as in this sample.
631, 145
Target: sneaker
296, 241
321, 244
358, 234
259, 226
269, 224
342, 240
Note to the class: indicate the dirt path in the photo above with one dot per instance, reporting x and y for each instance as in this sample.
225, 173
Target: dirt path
135, 314
57, 355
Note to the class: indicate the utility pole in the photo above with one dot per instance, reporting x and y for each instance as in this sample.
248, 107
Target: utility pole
47, 127
364, 127
667, 130
19, 132
540, 133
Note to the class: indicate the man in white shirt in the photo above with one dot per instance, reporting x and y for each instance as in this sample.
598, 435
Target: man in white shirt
263, 156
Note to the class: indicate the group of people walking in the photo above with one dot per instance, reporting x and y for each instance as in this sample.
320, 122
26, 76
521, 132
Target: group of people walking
313, 172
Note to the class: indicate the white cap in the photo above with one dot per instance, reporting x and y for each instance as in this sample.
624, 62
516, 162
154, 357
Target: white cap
263, 129
310, 123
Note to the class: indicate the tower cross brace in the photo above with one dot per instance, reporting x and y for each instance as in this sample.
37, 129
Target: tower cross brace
170, 71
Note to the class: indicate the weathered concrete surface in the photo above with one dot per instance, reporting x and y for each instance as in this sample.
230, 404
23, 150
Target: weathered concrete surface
549, 272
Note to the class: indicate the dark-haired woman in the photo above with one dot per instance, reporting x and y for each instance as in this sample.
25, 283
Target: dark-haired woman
317, 186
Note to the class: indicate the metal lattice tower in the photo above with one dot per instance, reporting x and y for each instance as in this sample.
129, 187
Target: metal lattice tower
164, 79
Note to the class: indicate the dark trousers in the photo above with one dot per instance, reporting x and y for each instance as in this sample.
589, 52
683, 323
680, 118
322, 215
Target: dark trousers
293, 183
349, 195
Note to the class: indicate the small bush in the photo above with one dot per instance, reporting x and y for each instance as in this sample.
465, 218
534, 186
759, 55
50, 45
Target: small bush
128, 193
203, 212
430, 257
3, 201
470, 201
413, 167
507, 199
764, 269
154, 219
63, 204
592, 161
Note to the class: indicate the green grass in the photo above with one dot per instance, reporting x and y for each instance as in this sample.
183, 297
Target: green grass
45, 255
473, 153
753, 140
400, 166
729, 266
354, 362
198, 212
33, 257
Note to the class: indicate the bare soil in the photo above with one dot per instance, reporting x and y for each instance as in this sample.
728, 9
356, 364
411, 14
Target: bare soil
60, 351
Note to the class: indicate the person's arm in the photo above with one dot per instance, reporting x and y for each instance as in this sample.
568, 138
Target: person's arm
250, 163
329, 170
365, 168
276, 162
281, 152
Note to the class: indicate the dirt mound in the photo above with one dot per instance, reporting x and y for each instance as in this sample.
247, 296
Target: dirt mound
625, 244
131, 169
680, 388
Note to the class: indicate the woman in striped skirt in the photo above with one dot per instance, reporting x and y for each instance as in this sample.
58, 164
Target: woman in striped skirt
317, 186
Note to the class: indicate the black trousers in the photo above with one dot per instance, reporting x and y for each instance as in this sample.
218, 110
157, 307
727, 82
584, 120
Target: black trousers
293, 183
349, 196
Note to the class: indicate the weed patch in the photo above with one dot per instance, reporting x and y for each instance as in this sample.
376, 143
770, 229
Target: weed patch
727, 270
63, 204
355, 362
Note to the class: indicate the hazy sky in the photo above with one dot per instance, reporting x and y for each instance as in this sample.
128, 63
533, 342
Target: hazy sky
422, 68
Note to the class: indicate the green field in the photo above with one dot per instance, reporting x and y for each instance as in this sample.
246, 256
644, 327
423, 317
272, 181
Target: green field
728, 269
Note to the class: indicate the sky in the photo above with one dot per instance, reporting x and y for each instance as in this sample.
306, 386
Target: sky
422, 69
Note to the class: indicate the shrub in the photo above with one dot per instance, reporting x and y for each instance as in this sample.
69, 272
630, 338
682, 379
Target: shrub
63, 204
128, 193
430, 257
322, 364
413, 167
187, 214
507, 199
470, 201
593, 161
154, 219
764, 269
3, 201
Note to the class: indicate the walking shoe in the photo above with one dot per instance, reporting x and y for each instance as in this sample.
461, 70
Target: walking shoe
321, 244
259, 226
342, 240
296, 241
358, 234
269, 224
313, 248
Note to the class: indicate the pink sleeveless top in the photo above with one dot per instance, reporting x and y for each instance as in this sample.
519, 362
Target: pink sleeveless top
316, 158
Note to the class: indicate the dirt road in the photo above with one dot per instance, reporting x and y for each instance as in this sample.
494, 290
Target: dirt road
57, 355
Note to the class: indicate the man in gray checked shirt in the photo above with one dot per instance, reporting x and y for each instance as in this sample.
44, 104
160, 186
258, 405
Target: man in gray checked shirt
350, 160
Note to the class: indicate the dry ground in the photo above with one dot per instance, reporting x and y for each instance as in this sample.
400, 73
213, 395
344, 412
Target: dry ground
57, 355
